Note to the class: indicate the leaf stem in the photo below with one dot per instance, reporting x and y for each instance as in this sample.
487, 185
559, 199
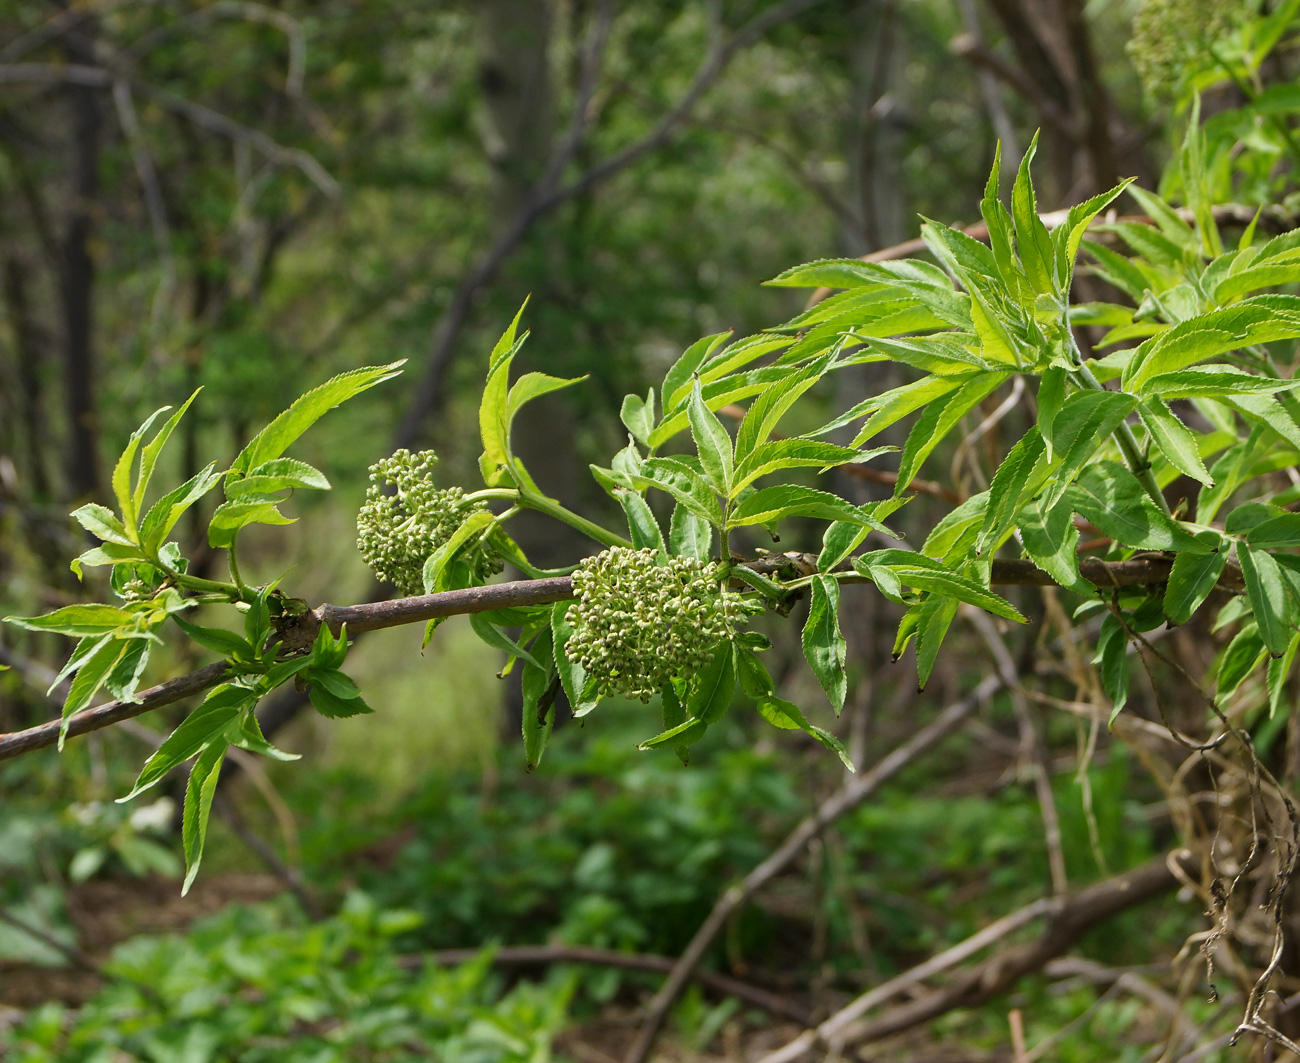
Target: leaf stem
553, 508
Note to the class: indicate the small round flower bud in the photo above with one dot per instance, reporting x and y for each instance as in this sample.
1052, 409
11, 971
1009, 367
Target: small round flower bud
405, 519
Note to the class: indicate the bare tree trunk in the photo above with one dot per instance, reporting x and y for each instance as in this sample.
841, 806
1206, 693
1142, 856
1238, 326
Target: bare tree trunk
78, 279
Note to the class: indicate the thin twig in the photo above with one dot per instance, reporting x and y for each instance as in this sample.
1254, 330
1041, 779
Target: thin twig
849, 797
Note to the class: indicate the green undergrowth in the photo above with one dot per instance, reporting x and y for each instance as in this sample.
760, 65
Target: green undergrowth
259, 985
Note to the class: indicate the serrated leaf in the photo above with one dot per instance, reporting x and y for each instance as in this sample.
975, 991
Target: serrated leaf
333, 707
712, 686
204, 725
779, 454
643, 528
1279, 668
226, 643
108, 554
839, 540
938, 419
1191, 579
767, 410
1051, 396
1275, 533
679, 376
91, 675
823, 645
1174, 439
164, 513
682, 482
712, 443
1022, 472
1084, 424
539, 686
684, 734
771, 504
276, 437
926, 574
932, 622
124, 679
121, 479
1269, 601
1032, 238
252, 739
638, 416
1243, 656
499, 640
689, 535
1111, 497
1112, 665
437, 565
1052, 542
789, 717
896, 404
102, 522
573, 676
1212, 382
230, 518
77, 620
199, 791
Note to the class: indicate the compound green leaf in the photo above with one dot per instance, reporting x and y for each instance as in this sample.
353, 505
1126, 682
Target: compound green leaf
1173, 439
712, 443
199, 791
1191, 579
1269, 601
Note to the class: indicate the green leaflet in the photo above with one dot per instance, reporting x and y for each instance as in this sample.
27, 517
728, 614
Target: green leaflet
932, 622
894, 405
230, 518
1174, 439
711, 443
1052, 542
540, 685
1275, 533
91, 675
1191, 579
643, 529
926, 574
682, 482
679, 376
1208, 336
771, 504
778, 454
823, 644
582, 698
1022, 472
499, 640
198, 806
437, 567
1051, 396
1244, 654
767, 410
788, 716
200, 728
164, 513
638, 416
1111, 497
1279, 668
1083, 426
938, 419
1212, 382
102, 523
275, 438
713, 686
1112, 664
77, 620
1265, 589
689, 534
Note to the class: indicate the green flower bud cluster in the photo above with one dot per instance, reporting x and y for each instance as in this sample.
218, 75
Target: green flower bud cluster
1173, 38
639, 620
405, 519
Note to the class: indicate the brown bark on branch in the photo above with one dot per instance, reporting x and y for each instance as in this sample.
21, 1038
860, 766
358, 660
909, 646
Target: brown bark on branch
376, 615
1068, 919
849, 797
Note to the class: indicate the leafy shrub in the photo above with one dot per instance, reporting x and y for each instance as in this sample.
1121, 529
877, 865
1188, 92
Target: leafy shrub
255, 985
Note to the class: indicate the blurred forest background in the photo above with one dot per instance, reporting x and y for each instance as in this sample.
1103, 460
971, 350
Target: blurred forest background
253, 196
